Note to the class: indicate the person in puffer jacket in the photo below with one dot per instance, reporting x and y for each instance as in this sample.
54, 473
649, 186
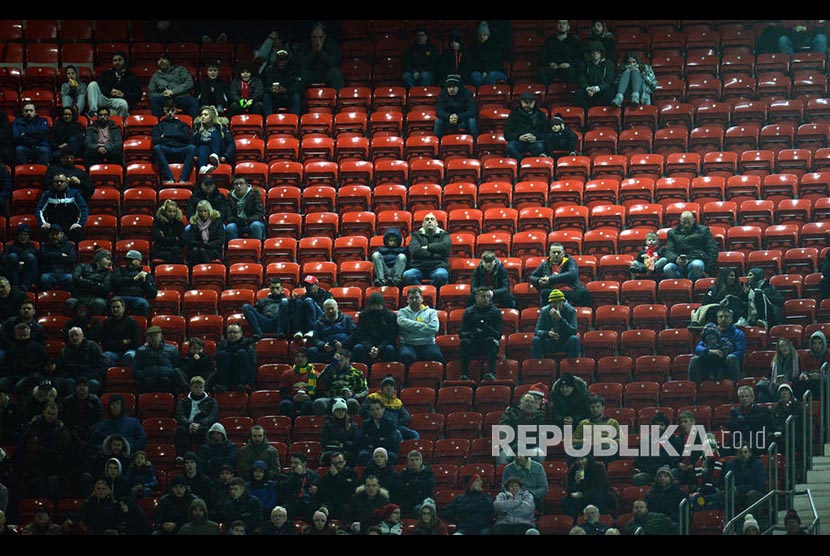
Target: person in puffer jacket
218, 450
390, 259
429, 254
172, 141
331, 331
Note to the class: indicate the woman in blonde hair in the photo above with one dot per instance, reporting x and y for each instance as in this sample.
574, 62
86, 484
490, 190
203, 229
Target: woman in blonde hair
206, 236
210, 136
168, 233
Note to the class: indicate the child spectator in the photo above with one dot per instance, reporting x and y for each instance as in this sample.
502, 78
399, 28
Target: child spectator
651, 259
198, 362
142, 475
213, 90
561, 141
390, 259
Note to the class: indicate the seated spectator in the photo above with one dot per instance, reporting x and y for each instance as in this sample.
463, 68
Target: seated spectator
532, 475
116, 88
414, 484
359, 515
665, 495
455, 110
10, 298
803, 37
526, 129
23, 358
492, 273
814, 365
561, 272
331, 332
246, 214
56, 260
82, 357
73, 90
635, 79
213, 88
824, 283
556, 328
749, 475
339, 439
784, 369
30, 137
428, 521
390, 259
648, 522
64, 206
217, 451
245, 94
596, 75
561, 140
318, 59
171, 83
93, 282
378, 431
168, 234
419, 60
588, 483
569, 401
120, 335
118, 422
455, 59
172, 142
560, 55
283, 85
299, 487
418, 325
691, 249
376, 335
270, 314
651, 259
472, 511
750, 421
683, 468
155, 364
195, 413
173, 510
763, 300
647, 466
488, 61
585, 430
592, 525
727, 291
257, 448
599, 32
78, 177
212, 139
243, 508
235, 362
308, 308
197, 362
104, 142
199, 523
340, 379
82, 317
207, 191
720, 351
205, 240
394, 407
81, 410
429, 253
135, 286
298, 386
526, 413
514, 509
67, 135
480, 333
784, 407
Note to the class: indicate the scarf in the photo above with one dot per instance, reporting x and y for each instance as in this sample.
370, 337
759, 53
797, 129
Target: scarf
204, 228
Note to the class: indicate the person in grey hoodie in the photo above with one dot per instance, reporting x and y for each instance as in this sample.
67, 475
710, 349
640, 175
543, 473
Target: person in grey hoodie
216, 451
418, 325
199, 523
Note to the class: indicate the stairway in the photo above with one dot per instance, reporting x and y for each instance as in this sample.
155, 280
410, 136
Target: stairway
818, 481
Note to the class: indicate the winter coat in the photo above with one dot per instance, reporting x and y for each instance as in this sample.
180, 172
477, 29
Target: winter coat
697, 243
436, 255
177, 79
124, 283
57, 258
65, 207
519, 122
171, 132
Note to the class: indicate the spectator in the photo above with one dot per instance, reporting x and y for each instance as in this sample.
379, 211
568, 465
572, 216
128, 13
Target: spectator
217, 451
195, 413
785, 406
318, 59
173, 510
634, 76
488, 62
647, 465
749, 476
429, 253
339, 436
561, 140
599, 32
569, 401
394, 407
21, 259
472, 511
556, 328
134, 285
376, 335
514, 509
784, 369
763, 300
197, 362
172, 141
691, 249
792, 523
389, 260
246, 93
298, 386
82, 357
804, 35
418, 325
420, 60
213, 88
98, 513
340, 379
246, 214
171, 82
73, 90
104, 142
561, 272
118, 422
207, 191
155, 364
649, 523
585, 430
428, 521
23, 358
413, 484
235, 362
308, 308
651, 259
56, 260
120, 335
380, 467
212, 139
30, 136
360, 509
257, 448
6, 187
78, 178
116, 88
455, 59
481, 331
683, 468
6, 146
331, 332
199, 523
596, 76
378, 431
727, 291
243, 507
197, 481
81, 410
10, 299
750, 421
67, 136
492, 273
751, 526
390, 519
824, 282
279, 524
26, 315
205, 240
299, 487
665, 495
532, 475
455, 110
270, 314
526, 129
283, 86
92, 283
720, 351
168, 234
592, 524
588, 483
64, 206
814, 366
560, 55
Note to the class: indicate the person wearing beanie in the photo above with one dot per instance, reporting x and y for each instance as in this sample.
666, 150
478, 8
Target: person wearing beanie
134, 285
195, 414
389, 260
320, 524
787, 405
262, 487
456, 109
376, 334
559, 55
380, 467
526, 129
751, 525
749, 474
596, 77
141, 476
117, 420
283, 84
560, 271
174, 508
390, 519
569, 401
665, 495
92, 282
395, 408
561, 140
472, 511
488, 64
556, 328
414, 483
171, 83
171, 140
481, 331
764, 301
792, 523
428, 522
454, 59
339, 434
116, 88
216, 451
420, 60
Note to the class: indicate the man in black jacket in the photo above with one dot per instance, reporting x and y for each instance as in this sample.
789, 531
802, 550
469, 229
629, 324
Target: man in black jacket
134, 285
56, 262
526, 129
270, 314
691, 249
376, 334
481, 329
455, 111
93, 282
172, 141
117, 88
492, 273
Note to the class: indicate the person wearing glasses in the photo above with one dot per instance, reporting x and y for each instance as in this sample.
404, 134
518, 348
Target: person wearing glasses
635, 80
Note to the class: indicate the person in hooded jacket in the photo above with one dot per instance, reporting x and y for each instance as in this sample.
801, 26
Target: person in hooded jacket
389, 260
665, 495
526, 129
67, 135
569, 401
376, 334
200, 522
113, 474
561, 140
814, 366
142, 476
99, 512
118, 421
763, 300
217, 450
115, 447
420, 60
492, 273
596, 76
